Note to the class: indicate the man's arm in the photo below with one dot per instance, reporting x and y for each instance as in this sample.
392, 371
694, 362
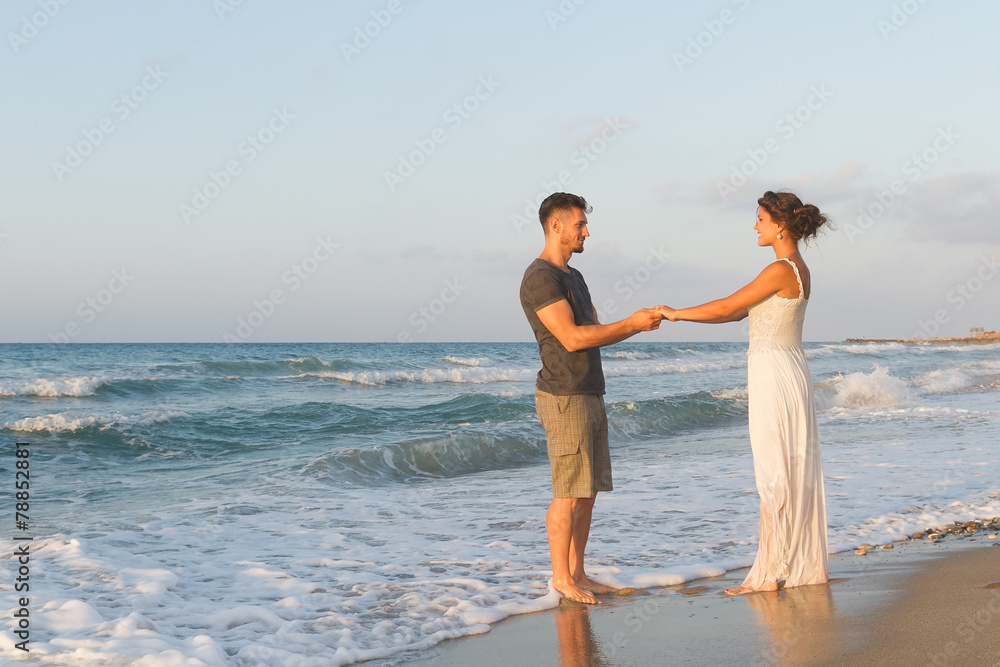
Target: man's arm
558, 319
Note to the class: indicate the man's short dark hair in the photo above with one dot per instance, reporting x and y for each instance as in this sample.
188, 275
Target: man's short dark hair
561, 201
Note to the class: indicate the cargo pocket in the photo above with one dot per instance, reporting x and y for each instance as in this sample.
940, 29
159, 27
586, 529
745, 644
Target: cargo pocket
565, 445
565, 425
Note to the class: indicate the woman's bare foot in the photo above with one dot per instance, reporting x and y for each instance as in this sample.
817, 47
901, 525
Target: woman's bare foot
570, 591
768, 587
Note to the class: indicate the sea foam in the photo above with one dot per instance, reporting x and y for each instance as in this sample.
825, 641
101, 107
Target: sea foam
69, 422
860, 390
42, 387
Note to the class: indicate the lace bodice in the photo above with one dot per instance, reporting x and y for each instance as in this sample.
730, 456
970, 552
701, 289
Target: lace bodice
776, 322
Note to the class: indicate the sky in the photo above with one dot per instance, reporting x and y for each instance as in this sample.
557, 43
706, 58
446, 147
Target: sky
229, 171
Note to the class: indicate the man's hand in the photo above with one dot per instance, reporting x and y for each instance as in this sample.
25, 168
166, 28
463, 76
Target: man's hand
558, 319
647, 319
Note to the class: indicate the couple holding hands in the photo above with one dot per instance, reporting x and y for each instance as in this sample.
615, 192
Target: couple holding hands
569, 394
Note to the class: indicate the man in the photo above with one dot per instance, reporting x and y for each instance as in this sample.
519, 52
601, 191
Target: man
570, 387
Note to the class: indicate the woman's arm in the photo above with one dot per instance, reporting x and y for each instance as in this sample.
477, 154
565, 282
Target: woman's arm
667, 313
740, 314
734, 307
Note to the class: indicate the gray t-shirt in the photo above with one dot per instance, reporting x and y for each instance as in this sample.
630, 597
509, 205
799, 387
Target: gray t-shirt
563, 373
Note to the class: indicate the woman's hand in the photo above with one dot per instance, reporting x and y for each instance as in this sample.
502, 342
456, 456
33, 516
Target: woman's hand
666, 313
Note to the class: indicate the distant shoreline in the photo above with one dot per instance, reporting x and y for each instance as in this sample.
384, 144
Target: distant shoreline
988, 338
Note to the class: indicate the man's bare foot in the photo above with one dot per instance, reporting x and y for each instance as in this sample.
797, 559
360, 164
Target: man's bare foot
571, 591
595, 587
769, 587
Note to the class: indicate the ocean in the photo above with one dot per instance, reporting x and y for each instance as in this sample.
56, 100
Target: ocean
326, 504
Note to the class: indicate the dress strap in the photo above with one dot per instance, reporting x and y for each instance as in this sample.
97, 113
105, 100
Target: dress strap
795, 268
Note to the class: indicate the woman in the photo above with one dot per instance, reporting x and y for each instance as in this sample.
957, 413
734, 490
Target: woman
786, 455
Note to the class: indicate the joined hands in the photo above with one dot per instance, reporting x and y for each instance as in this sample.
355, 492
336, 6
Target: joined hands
648, 319
666, 313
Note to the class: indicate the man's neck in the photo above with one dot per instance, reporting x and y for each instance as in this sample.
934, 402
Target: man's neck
557, 257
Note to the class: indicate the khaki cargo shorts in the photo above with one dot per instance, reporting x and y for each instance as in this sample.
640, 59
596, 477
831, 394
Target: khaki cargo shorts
576, 433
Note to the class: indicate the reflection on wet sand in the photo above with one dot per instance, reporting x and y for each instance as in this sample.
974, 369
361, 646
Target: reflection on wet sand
798, 621
578, 647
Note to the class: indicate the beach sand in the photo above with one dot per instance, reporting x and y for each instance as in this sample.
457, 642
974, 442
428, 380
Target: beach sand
921, 603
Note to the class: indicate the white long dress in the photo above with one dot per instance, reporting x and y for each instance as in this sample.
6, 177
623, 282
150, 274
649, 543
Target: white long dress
785, 444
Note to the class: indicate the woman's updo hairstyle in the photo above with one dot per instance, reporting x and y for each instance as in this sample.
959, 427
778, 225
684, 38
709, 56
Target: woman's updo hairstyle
800, 220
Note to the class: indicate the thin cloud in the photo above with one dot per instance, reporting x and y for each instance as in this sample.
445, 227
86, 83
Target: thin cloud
845, 185
428, 253
583, 130
958, 208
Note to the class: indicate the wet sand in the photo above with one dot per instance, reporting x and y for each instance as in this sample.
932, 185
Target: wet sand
921, 603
